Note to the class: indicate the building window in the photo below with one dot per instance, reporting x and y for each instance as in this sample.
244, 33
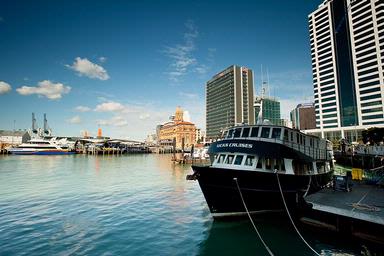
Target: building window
375, 96
372, 117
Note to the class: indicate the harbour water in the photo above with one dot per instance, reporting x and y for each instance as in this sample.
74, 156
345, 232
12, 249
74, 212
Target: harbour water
130, 205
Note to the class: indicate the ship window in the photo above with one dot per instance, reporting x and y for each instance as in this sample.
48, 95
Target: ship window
291, 136
286, 134
255, 132
249, 161
265, 132
220, 160
237, 133
268, 163
245, 132
230, 133
238, 160
277, 164
259, 163
276, 133
297, 138
225, 134
229, 159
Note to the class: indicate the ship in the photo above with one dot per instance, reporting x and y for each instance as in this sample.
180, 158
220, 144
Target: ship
253, 166
42, 142
43, 147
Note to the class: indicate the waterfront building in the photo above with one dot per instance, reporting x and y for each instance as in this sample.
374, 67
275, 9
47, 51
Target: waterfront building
151, 139
303, 117
267, 109
177, 131
347, 50
229, 100
13, 137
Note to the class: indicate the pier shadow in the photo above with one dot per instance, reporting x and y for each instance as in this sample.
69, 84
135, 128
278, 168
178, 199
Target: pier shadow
237, 237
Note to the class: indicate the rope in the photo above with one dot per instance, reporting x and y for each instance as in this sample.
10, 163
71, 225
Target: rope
289, 215
364, 207
309, 185
250, 218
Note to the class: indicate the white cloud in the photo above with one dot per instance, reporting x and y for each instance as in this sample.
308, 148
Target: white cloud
46, 88
109, 107
181, 54
74, 120
102, 59
82, 109
4, 87
202, 69
144, 116
89, 69
117, 121
188, 95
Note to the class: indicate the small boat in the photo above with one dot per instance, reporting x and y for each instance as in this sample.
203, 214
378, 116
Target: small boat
259, 163
42, 147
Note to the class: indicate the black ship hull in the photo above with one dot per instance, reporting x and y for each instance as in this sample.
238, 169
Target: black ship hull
260, 190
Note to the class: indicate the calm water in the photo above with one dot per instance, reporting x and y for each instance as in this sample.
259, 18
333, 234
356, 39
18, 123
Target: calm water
127, 205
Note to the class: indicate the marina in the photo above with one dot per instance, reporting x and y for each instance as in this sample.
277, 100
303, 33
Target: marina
136, 204
192, 127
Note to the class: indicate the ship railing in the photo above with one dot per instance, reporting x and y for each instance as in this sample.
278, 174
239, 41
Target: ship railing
315, 153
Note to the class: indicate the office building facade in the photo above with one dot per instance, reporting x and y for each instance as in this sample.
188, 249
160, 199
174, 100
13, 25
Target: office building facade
267, 109
303, 117
347, 50
229, 100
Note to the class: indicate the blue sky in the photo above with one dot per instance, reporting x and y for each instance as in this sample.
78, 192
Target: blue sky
126, 65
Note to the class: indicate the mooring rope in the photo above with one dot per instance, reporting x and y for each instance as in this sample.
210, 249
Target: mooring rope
289, 215
309, 185
250, 218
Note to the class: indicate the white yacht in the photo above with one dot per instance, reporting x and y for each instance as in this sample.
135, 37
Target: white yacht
42, 147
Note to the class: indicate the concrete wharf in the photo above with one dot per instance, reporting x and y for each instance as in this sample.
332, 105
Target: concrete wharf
359, 212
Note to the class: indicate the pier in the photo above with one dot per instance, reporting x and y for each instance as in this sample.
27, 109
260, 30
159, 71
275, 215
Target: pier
357, 210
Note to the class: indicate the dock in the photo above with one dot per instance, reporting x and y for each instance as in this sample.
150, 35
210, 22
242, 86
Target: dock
358, 212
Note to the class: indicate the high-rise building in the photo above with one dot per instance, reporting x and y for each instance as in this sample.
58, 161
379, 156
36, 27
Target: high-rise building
229, 100
347, 49
303, 117
267, 109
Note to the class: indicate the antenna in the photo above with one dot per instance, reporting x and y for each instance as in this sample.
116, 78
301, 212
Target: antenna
269, 91
262, 81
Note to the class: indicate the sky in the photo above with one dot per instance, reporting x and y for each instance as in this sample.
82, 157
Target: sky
125, 66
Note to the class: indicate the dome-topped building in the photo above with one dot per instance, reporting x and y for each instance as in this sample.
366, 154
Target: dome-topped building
183, 132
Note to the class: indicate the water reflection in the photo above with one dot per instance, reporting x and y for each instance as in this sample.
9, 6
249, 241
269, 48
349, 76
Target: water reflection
237, 237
